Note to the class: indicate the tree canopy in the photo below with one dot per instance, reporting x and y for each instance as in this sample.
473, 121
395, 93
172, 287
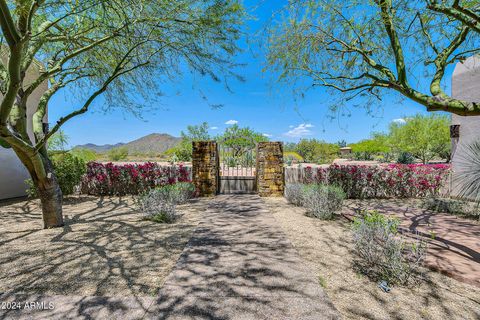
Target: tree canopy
317, 151
425, 137
240, 139
365, 48
122, 50
377, 144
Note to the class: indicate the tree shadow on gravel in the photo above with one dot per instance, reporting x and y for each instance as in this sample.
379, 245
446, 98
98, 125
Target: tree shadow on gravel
104, 249
240, 264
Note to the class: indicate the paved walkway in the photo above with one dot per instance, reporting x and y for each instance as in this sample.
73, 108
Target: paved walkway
238, 264
454, 242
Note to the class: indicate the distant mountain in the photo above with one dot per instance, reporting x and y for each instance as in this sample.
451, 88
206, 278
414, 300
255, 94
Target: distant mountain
99, 149
155, 143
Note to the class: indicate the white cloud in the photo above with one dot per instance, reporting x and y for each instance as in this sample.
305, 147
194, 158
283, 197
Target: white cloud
214, 128
301, 130
399, 121
267, 135
231, 122
291, 126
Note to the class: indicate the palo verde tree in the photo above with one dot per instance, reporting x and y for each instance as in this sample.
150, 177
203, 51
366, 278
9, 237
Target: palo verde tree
424, 137
371, 47
122, 50
240, 140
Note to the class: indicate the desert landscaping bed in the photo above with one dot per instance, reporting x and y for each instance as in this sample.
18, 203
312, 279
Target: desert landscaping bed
327, 248
105, 248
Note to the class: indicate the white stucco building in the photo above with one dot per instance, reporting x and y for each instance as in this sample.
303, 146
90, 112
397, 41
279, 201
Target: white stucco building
465, 86
12, 172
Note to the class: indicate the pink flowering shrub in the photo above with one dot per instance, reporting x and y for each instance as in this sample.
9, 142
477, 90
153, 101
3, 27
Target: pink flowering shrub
111, 179
392, 181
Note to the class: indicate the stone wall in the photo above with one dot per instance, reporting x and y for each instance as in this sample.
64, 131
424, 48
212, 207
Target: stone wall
270, 171
205, 164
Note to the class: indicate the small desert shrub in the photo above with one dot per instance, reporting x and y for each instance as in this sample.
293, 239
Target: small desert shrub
159, 204
453, 206
405, 158
381, 251
294, 193
179, 193
118, 154
322, 201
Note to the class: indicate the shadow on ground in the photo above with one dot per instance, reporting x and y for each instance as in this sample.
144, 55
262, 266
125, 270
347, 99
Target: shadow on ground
239, 264
327, 246
105, 249
454, 245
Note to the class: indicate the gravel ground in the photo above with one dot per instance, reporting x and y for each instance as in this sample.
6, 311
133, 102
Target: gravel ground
105, 248
327, 248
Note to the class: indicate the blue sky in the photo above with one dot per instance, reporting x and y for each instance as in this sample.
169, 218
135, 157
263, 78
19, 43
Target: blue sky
258, 103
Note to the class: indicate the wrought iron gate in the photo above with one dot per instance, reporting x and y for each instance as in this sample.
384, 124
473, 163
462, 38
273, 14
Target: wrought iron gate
237, 168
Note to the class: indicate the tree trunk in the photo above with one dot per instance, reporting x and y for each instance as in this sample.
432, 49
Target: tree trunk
51, 199
46, 185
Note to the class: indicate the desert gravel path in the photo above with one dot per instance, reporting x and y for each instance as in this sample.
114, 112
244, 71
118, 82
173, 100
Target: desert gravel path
239, 264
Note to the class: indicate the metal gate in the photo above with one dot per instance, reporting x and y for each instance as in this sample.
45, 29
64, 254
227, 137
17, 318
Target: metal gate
237, 167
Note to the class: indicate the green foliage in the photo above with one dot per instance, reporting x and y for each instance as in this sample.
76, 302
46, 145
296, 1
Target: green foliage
69, 171
159, 204
117, 154
237, 145
291, 156
374, 219
458, 207
196, 132
86, 155
366, 149
360, 50
382, 253
240, 139
316, 151
425, 137
183, 150
289, 147
405, 158
58, 141
321, 201
162, 217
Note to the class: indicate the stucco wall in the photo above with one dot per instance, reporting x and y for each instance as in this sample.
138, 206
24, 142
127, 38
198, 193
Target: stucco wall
465, 86
12, 173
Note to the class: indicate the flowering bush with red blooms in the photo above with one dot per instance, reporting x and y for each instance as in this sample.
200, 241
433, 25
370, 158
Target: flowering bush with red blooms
392, 181
111, 179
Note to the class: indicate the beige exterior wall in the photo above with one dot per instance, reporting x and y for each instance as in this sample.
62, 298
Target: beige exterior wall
12, 173
465, 86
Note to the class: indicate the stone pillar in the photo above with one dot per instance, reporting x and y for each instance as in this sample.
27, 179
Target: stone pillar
205, 164
270, 170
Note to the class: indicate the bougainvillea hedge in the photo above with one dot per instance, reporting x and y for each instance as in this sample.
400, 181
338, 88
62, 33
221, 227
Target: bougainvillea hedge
391, 181
118, 180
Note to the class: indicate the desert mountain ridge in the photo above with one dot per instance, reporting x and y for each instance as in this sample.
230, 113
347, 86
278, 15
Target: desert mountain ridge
156, 143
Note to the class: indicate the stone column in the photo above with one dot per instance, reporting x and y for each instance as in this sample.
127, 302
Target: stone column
270, 170
205, 163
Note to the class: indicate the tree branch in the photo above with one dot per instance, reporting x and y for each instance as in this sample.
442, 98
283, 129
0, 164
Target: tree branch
387, 17
8, 25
